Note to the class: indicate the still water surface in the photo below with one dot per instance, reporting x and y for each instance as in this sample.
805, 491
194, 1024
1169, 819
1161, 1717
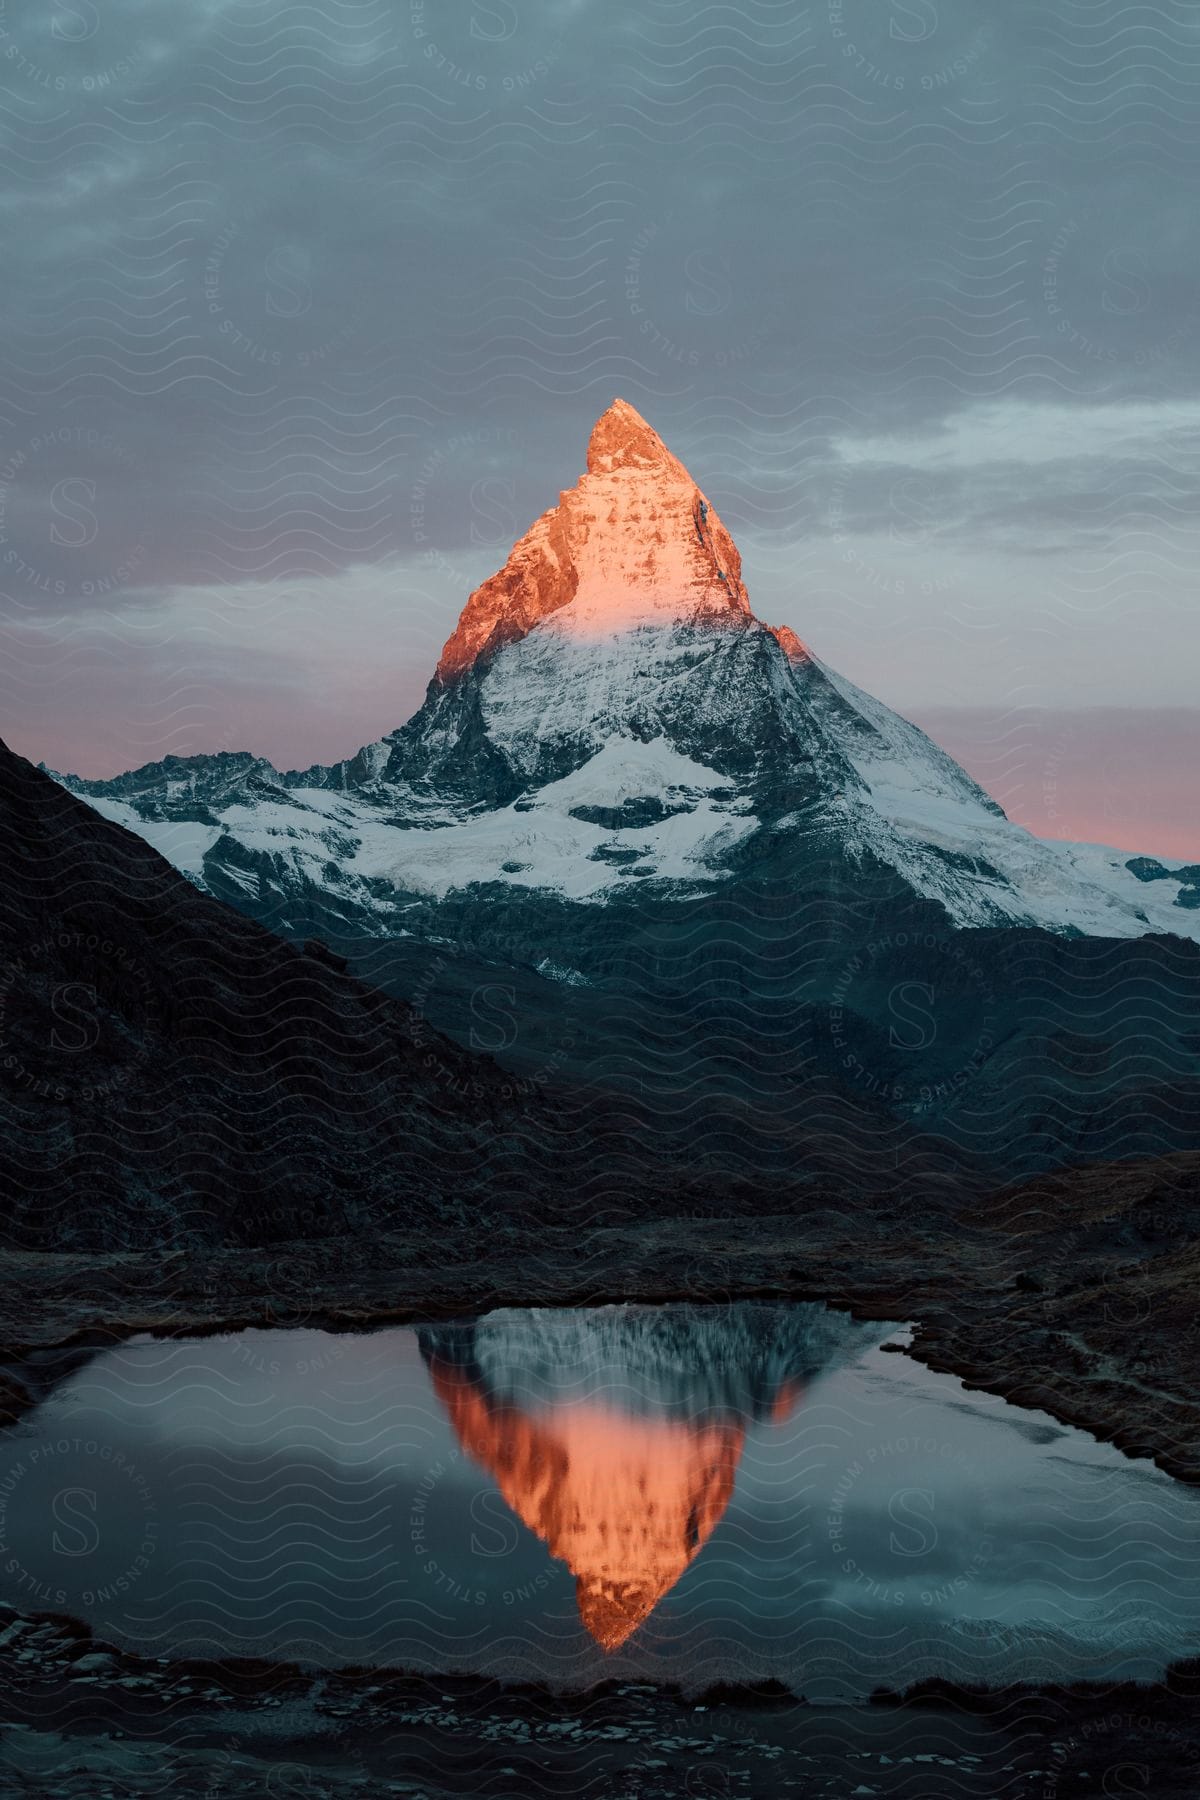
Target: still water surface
673, 1493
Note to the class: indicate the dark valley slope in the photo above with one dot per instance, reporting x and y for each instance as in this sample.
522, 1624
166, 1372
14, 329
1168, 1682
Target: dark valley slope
174, 1075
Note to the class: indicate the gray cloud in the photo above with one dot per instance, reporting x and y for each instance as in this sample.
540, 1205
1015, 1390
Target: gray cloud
330, 293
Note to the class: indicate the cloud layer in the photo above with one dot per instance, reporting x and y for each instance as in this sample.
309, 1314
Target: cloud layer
309, 308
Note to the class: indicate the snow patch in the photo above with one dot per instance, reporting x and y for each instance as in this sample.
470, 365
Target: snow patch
183, 842
544, 847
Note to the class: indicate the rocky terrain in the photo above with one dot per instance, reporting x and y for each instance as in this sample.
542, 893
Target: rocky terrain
84, 1721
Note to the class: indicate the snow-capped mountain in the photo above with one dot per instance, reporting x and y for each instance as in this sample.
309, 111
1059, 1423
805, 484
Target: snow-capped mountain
609, 720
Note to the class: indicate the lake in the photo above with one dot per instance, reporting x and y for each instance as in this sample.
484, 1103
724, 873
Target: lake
671, 1494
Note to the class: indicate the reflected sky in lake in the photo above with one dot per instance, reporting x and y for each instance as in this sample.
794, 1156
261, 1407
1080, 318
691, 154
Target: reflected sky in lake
673, 1494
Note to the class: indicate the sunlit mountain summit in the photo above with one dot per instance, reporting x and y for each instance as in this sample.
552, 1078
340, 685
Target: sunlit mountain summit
610, 716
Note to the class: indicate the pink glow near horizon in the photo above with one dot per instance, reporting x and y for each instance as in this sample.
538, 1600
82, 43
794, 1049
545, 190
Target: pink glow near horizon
1104, 775
1121, 776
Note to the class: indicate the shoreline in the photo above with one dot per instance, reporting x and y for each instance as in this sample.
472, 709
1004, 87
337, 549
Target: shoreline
201, 1727
1060, 1342
975, 1313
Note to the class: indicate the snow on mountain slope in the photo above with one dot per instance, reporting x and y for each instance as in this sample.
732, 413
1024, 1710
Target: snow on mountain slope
545, 841
928, 819
548, 841
183, 842
609, 717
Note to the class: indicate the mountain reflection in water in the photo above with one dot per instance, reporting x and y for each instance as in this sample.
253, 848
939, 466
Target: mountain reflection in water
615, 1434
671, 1495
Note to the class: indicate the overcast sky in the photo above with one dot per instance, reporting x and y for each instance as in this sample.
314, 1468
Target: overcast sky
308, 310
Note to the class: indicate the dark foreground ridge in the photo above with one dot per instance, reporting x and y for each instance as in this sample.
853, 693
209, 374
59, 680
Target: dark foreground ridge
172, 1075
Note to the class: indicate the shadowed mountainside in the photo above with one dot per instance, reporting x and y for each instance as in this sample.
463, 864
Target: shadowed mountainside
172, 1074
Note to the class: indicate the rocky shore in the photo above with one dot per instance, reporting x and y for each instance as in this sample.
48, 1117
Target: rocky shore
1074, 1294
83, 1719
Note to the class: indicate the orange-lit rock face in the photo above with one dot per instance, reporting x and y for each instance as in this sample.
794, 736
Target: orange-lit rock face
788, 642
634, 542
625, 1502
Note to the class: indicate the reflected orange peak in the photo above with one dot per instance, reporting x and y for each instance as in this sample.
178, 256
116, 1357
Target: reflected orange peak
626, 1503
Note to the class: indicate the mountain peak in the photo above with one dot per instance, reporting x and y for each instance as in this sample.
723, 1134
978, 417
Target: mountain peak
634, 543
621, 439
